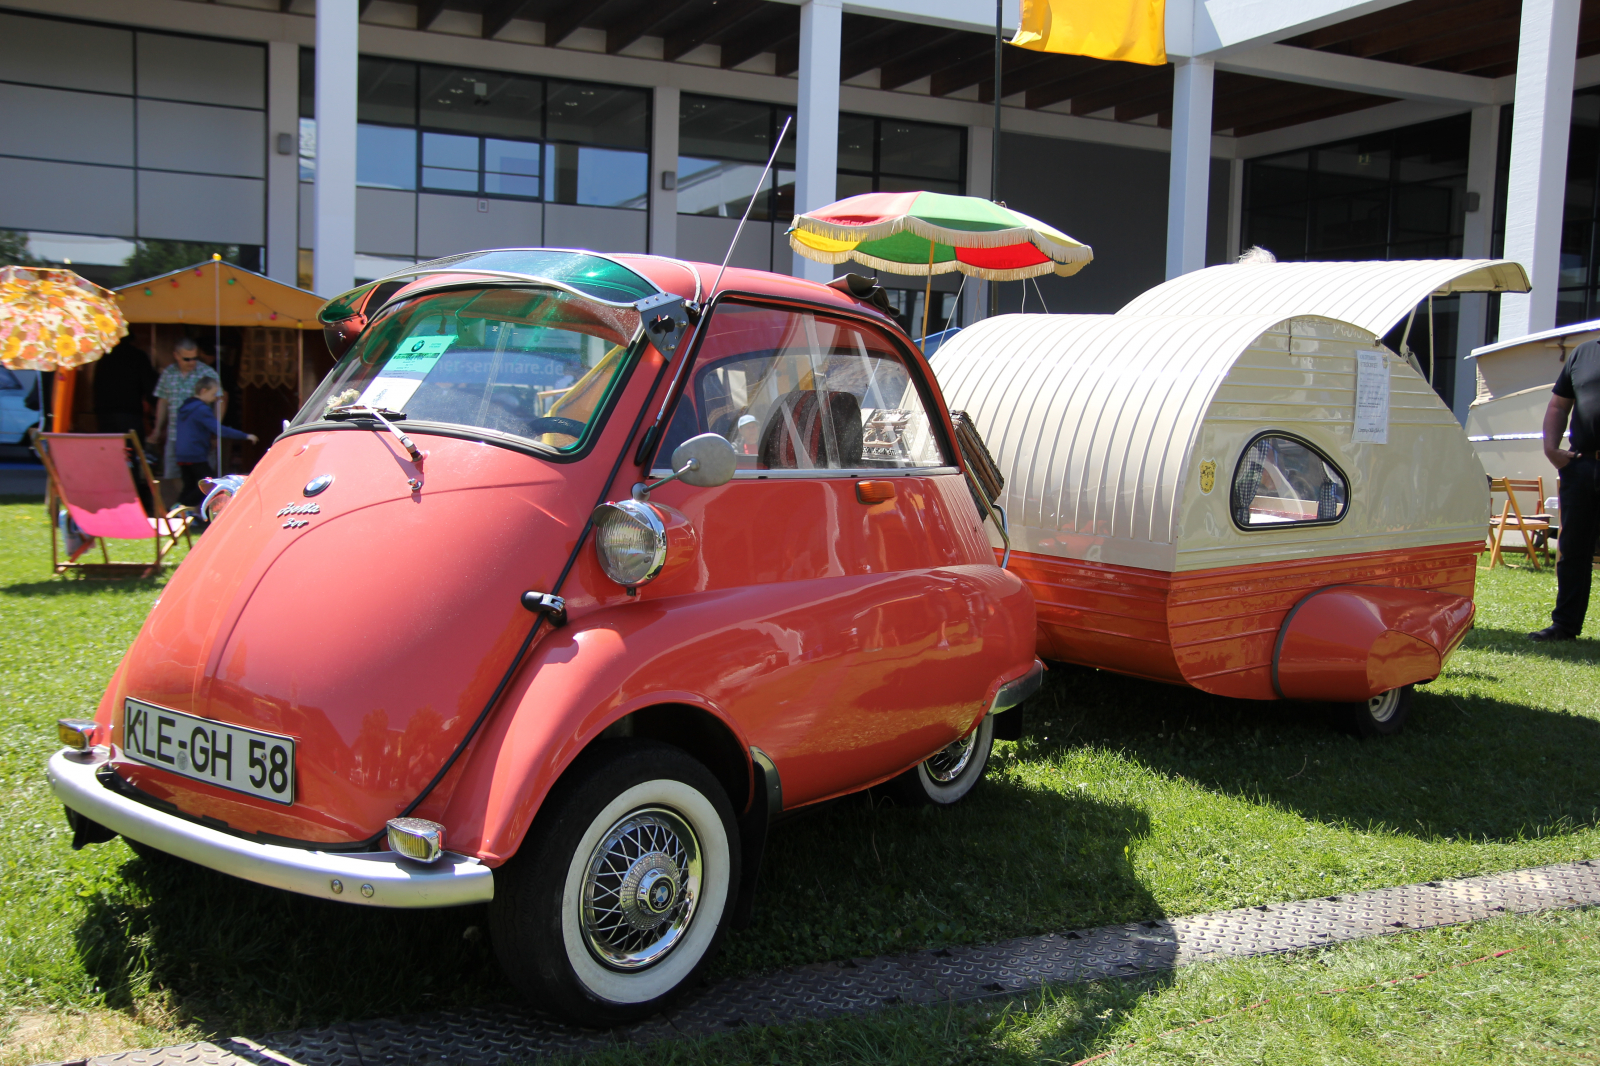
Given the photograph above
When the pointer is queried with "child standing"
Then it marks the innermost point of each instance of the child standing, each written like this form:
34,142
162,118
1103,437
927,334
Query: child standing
197,432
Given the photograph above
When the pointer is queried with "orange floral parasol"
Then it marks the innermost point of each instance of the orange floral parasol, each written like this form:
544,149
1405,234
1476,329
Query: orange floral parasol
55,320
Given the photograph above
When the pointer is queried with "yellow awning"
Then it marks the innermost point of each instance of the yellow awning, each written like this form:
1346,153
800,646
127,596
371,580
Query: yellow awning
202,293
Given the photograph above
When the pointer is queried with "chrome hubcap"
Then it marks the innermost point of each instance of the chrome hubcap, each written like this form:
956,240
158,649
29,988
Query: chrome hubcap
946,765
1383,706
640,889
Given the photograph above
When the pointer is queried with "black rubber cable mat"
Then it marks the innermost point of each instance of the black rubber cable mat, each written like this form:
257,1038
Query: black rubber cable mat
493,1035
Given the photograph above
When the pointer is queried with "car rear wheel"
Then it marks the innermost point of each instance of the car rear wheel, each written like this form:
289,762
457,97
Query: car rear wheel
619,894
950,773
1383,715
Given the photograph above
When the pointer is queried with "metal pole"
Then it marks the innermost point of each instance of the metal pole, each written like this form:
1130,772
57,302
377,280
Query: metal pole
994,151
216,342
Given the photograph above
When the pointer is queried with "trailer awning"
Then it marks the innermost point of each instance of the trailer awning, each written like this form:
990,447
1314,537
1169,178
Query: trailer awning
1372,295
218,293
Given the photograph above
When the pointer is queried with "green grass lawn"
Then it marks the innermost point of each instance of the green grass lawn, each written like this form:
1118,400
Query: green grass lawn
1126,800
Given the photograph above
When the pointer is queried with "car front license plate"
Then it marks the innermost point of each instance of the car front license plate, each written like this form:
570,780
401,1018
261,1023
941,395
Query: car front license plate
245,760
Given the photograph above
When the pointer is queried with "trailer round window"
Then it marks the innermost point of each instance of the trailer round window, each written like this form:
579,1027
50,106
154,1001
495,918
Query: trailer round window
1282,480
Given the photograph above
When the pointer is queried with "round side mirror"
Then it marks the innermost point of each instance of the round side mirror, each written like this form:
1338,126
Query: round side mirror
712,458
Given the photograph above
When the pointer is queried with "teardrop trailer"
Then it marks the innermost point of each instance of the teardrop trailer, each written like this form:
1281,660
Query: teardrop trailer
1231,484
569,577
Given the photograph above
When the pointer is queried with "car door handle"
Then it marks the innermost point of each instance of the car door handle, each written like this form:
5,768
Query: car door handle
871,492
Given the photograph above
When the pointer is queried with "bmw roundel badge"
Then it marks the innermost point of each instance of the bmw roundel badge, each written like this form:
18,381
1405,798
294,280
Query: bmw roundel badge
317,484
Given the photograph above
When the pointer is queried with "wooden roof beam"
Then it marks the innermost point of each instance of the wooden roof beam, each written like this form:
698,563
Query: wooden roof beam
1329,110
641,20
701,31
868,50
428,12
1087,103
952,51
765,37
1031,69
1093,80
498,13
1341,32
1425,27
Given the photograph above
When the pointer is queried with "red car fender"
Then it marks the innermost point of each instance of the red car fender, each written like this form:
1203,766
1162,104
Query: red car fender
1351,642
578,681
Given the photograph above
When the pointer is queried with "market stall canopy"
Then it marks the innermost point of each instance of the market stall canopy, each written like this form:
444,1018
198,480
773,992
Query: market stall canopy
1372,295
54,320
194,293
926,233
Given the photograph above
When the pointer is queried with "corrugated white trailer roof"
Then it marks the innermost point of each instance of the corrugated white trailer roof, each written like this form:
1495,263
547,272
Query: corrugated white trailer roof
1372,295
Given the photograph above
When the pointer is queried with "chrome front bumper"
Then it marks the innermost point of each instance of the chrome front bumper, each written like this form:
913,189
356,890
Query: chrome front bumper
372,878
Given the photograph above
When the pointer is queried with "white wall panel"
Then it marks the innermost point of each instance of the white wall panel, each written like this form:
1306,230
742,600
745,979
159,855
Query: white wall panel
66,54
55,124
209,140
66,197
386,222
199,207
704,239
210,72
600,229
447,224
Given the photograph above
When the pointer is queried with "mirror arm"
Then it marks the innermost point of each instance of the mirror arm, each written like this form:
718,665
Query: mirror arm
641,491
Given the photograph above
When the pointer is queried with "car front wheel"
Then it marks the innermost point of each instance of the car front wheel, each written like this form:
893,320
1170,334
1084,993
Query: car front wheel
950,773
1383,715
620,892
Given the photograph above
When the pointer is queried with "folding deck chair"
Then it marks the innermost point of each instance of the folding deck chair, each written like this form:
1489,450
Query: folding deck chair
91,476
1533,528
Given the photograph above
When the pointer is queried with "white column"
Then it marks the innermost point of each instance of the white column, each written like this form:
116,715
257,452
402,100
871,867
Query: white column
664,163
1189,180
817,116
283,169
980,148
1546,55
334,261
1476,235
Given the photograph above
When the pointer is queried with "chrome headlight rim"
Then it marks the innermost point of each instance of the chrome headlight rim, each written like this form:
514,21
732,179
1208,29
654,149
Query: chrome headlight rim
650,519
218,489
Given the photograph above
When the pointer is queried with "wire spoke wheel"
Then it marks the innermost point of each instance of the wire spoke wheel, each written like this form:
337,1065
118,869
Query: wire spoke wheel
641,889
945,765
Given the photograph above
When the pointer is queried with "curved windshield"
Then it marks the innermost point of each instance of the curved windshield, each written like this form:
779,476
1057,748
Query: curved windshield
529,362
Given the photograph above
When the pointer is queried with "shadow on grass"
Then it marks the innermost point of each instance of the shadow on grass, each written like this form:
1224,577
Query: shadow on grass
1464,768
79,586
1516,642
856,879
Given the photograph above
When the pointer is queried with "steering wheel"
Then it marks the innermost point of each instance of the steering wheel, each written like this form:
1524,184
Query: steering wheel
556,424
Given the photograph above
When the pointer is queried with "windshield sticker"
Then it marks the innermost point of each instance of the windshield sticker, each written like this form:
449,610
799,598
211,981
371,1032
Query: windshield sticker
405,371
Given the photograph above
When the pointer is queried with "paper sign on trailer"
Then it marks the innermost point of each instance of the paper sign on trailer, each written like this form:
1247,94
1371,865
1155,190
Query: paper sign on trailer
1372,399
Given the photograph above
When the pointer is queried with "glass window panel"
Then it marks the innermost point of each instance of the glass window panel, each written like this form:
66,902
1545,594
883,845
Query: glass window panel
1575,243
611,178
1572,305
852,184
386,91
894,183
1282,234
1426,211
920,150
308,83
599,114
386,157
480,101
711,187
792,390
1433,150
511,168
1281,180
450,180
1351,167
308,149
712,128
450,150
1281,481
1347,221
783,196
856,133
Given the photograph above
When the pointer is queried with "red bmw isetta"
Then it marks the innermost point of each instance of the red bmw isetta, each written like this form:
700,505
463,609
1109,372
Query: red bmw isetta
570,576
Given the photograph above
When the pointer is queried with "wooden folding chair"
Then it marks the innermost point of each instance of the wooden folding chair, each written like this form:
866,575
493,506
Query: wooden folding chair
1534,528
90,475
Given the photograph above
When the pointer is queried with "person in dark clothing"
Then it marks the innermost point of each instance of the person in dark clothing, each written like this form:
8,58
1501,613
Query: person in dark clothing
197,429
122,379
1576,400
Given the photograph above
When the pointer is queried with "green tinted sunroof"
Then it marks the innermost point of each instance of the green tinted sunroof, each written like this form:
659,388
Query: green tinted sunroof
589,274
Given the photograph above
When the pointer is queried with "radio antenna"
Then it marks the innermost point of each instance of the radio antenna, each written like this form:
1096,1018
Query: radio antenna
773,158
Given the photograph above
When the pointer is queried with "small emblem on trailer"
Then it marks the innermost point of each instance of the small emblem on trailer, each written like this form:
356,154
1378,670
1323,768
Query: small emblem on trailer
317,484
1208,476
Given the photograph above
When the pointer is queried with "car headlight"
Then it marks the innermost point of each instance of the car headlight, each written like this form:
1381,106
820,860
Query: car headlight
631,540
219,490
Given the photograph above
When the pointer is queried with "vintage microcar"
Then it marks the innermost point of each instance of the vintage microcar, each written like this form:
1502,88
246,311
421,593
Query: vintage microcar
1189,497
756,575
